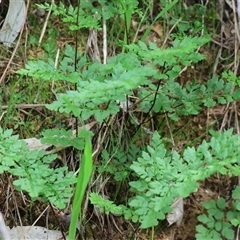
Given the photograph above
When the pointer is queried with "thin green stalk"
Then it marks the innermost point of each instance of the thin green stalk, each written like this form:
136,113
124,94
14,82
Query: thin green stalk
153,233
128,11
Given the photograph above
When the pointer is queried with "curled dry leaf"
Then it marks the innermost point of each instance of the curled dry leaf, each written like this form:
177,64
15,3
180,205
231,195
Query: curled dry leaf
13,22
177,214
157,28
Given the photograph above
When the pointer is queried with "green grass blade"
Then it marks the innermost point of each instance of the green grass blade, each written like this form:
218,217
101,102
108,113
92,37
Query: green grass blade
167,8
82,182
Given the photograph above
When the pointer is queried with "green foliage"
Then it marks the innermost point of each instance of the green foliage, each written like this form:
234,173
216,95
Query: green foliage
159,176
109,9
69,16
231,77
218,222
97,85
162,176
104,205
64,138
90,14
32,171
181,52
108,84
118,164
173,98
46,70
186,20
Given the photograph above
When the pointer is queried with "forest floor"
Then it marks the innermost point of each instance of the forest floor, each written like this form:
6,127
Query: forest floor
29,122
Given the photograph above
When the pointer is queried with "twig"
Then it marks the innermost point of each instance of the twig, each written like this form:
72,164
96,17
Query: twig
237,237
139,26
221,43
104,42
153,104
169,32
236,66
24,106
15,201
93,42
115,224
40,216
45,24
54,213
170,131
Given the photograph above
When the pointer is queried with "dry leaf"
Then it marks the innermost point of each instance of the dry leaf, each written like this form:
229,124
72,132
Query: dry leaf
177,214
13,22
34,233
157,28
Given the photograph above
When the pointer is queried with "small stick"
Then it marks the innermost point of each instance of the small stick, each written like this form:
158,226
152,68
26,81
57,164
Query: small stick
22,106
45,24
104,42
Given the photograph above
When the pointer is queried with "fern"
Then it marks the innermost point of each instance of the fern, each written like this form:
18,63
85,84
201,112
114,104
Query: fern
64,138
32,171
68,15
104,205
214,224
162,177
108,84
